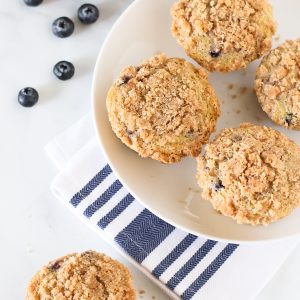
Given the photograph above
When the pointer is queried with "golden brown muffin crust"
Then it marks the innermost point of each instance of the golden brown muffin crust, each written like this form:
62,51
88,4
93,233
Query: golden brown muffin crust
164,109
277,84
251,174
223,35
86,276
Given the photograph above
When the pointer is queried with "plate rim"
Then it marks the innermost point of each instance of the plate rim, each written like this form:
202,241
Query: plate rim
123,180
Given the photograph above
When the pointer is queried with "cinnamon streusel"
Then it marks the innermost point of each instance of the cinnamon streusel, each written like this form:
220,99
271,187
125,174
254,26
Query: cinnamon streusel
164,109
223,35
251,174
85,276
277,84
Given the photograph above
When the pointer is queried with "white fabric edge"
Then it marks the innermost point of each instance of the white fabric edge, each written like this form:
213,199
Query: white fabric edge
58,149
56,154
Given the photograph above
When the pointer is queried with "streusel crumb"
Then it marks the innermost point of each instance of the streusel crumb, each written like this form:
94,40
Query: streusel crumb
223,35
251,174
277,84
164,109
86,276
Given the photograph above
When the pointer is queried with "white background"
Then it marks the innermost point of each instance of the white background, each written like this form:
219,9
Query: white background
34,227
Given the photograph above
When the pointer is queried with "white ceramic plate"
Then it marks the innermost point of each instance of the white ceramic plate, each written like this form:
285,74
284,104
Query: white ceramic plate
171,191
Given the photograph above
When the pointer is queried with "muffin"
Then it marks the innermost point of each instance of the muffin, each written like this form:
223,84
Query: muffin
86,276
164,109
277,84
251,174
223,35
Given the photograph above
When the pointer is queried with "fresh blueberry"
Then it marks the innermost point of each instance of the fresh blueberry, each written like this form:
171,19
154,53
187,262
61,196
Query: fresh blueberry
215,53
28,97
33,2
217,186
63,27
64,70
88,13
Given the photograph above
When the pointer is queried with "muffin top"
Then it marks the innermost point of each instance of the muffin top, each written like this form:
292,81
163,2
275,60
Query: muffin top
251,174
164,109
86,276
277,84
223,35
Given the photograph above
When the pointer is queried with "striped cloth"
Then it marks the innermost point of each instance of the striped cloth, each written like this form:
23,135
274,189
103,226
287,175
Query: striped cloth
185,266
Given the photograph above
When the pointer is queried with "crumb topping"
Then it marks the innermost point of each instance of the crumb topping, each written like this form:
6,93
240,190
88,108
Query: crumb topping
86,276
251,174
277,84
164,109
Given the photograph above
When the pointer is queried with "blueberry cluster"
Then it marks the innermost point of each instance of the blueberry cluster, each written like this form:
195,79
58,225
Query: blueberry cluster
62,27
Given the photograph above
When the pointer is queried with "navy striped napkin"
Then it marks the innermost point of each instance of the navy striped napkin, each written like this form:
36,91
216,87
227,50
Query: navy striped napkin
185,266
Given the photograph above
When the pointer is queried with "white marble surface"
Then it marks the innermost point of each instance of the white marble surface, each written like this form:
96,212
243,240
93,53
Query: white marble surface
34,227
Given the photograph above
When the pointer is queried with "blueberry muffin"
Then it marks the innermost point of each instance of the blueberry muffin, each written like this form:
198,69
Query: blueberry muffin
277,84
251,174
164,109
86,276
223,35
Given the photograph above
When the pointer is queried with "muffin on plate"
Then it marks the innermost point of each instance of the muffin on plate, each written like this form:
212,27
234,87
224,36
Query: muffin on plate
223,35
251,174
85,276
277,84
164,109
